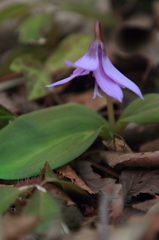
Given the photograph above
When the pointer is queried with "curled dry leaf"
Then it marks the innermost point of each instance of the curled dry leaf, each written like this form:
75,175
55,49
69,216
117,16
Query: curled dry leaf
68,172
66,186
139,181
117,145
95,182
144,159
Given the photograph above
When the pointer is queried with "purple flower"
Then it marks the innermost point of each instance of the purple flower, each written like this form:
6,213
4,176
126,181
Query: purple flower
107,77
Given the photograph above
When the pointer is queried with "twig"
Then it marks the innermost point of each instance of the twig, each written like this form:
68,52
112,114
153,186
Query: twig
10,76
104,169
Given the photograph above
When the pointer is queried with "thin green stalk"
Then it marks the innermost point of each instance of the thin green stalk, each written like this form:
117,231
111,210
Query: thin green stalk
110,110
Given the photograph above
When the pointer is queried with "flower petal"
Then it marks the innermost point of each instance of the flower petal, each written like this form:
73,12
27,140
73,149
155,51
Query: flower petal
68,63
107,85
77,72
118,77
96,92
89,61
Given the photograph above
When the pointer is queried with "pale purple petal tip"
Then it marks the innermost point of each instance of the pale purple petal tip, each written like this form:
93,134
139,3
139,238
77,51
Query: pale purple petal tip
68,63
62,81
118,77
77,72
96,92
107,85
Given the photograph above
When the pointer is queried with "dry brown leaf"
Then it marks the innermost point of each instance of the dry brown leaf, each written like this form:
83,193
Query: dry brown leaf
117,204
137,134
139,181
29,181
68,172
117,145
152,145
146,205
154,209
16,227
56,192
116,209
144,159
86,99
94,181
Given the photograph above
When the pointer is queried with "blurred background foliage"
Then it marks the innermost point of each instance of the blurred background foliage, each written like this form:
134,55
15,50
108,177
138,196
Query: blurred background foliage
37,36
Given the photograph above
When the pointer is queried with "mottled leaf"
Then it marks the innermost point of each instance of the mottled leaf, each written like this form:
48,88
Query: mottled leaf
38,51
72,47
34,27
37,76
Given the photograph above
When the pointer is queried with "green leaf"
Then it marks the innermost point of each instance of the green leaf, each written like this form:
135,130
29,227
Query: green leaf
140,111
14,11
5,116
67,187
71,48
8,196
45,207
34,27
38,51
56,135
36,74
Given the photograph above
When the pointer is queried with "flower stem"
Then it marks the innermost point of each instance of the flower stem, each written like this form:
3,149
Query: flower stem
98,31
110,110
